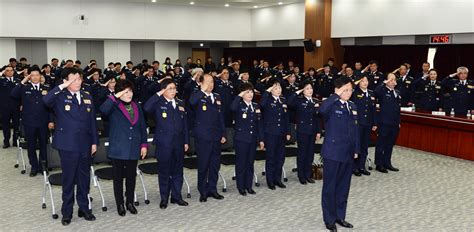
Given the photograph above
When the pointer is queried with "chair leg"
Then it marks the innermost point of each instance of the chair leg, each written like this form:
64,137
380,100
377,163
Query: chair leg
188,195
97,185
256,180
140,174
225,183
285,179
46,184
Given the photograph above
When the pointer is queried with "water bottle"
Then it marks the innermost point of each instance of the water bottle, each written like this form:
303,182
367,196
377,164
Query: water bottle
452,112
413,109
468,114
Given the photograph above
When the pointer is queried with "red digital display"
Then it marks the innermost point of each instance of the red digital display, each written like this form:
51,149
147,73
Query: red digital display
440,39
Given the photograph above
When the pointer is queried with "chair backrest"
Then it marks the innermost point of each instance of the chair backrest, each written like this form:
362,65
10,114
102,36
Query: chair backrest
101,154
54,160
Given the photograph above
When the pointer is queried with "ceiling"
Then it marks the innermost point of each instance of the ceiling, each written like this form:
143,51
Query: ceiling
246,4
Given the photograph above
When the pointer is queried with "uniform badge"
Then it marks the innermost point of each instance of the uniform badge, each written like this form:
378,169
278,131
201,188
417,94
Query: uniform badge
67,107
284,106
244,115
455,89
257,111
69,97
438,87
373,98
316,105
204,107
164,115
408,82
88,109
44,92
87,101
354,112
181,108
218,103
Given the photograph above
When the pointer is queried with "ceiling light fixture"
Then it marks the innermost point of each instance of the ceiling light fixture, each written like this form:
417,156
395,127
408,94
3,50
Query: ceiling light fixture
255,6
226,5
280,3
192,3
153,0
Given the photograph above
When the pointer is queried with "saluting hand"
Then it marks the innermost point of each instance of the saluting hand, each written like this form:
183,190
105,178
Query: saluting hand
299,91
270,89
68,82
26,79
143,152
161,92
121,93
204,86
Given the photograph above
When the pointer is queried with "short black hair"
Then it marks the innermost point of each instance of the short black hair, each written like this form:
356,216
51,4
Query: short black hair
118,63
67,61
65,73
129,62
341,81
166,82
110,63
45,65
326,65
144,61
156,62
78,62
273,81
12,60
331,59
305,83
374,62
54,59
404,66
123,84
34,68
246,86
23,59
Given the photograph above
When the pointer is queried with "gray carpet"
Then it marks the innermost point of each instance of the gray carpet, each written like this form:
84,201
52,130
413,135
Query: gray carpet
430,193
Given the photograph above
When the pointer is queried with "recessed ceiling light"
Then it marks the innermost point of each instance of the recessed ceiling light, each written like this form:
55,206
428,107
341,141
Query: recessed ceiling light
201,44
192,3
280,3
226,5
153,0
255,6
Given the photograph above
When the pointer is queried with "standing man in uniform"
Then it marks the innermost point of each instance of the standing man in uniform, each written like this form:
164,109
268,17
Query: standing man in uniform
10,107
461,90
36,117
388,123
340,147
171,138
76,140
209,134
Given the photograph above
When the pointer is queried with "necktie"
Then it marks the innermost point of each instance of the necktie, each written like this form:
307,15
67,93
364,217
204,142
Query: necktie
432,83
174,104
75,99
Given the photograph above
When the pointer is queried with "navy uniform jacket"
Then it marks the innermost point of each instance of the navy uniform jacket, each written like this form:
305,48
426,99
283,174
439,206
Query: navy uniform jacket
375,79
389,101
275,115
126,136
430,95
208,117
248,123
7,102
288,89
365,106
227,93
76,129
406,89
142,83
171,123
307,117
34,111
325,85
341,138
462,96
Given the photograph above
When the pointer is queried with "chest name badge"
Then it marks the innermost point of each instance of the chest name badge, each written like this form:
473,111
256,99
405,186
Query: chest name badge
204,107
44,92
87,101
67,107
88,109
181,108
244,115
164,115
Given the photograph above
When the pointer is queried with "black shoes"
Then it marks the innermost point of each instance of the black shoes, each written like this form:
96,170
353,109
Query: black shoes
280,185
356,173
163,204
242,192
202,198
250,191
88,216
381,169
180,202
131,208
33,173
5,146
65,221
331,227
393,169
364,172
216,196
272,187
303,182
344,223
310,180
121,210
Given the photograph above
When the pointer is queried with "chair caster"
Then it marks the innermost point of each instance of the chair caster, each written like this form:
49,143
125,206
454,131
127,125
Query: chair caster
147,201
16,166
233,178
224,190
23,172
294,169
257,184
189,195
104,209
55,216
43,206
263,173
91,199
137,203
285,179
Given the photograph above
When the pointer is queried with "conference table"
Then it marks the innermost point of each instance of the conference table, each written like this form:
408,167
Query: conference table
444,135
